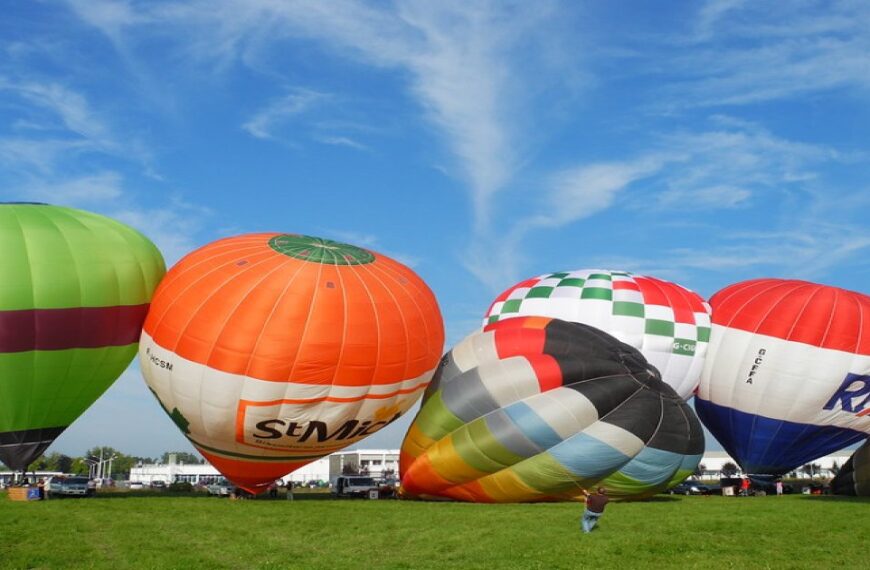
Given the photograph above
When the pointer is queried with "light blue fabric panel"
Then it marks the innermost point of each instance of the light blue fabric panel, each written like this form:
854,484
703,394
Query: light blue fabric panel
589,457
653,466
532,425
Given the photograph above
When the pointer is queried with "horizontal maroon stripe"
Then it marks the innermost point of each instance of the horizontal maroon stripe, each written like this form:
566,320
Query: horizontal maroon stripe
81,327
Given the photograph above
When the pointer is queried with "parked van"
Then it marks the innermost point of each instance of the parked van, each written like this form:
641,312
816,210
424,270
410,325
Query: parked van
353,486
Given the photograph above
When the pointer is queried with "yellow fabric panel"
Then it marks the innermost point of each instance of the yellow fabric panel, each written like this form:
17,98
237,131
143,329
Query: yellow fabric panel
416,442
506,487
449,465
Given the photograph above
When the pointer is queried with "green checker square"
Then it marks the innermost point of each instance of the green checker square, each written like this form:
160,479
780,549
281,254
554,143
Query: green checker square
539,293
659,328
602,276
511,306
572,282
492,319
684,346
597,293
628,309
703,334
557,275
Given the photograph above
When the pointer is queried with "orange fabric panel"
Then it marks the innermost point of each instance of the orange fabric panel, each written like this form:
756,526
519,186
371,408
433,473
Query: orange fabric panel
426,475
241,307
179,295
252,476
471,492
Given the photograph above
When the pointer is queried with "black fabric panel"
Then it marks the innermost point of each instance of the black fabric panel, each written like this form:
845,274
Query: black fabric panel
679,431
590,352
640,414
606,392
844,482
18,449
626,390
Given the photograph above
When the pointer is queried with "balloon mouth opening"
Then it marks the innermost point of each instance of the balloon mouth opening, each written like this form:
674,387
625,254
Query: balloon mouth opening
253,488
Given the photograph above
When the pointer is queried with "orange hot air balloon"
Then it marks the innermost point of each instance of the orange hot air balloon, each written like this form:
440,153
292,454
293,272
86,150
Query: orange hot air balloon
270,351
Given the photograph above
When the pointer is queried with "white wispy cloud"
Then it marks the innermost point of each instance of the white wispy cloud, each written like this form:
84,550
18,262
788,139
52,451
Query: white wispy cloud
41,158
472,67
112,17
740,55
174,227
264,124
586,190
736,164
81,191
40,155
340,141
725,167
69,106
569,196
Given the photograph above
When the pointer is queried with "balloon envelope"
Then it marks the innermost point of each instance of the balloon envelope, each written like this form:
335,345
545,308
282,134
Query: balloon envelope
537,409
272,350
854,476
74,291
669,324
787,377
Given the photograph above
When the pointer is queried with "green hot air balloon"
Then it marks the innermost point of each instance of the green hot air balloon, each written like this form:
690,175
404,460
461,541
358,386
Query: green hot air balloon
74,290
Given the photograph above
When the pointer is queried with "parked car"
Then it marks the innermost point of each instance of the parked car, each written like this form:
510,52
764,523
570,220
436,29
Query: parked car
222,488
690,488
354,486
72,487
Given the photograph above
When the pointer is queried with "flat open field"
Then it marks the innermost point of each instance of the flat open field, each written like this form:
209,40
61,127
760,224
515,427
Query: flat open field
314,531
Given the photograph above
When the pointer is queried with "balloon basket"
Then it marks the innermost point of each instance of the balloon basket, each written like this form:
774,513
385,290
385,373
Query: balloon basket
23,494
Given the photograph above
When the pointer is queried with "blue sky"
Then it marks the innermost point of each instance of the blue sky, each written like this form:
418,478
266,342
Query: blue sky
478,142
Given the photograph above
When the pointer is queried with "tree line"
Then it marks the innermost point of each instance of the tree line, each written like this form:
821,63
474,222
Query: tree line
120,464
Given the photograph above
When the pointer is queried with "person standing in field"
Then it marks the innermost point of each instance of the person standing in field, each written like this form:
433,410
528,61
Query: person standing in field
778,487
595,504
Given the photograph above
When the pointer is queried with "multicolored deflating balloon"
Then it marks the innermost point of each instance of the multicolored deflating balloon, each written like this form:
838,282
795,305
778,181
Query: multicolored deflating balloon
537,409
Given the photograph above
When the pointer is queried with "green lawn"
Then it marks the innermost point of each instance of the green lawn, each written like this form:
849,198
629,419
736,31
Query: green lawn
162,531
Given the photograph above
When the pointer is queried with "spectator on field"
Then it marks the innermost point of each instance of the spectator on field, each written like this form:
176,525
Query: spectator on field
744,487
778,487
595,504
41,486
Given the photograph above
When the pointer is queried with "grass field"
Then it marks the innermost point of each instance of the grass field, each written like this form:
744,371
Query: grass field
195,531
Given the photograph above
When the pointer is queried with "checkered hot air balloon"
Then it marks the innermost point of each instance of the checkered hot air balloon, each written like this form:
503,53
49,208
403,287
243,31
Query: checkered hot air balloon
272,350
854,476
537,409
669,324
787,378
74,291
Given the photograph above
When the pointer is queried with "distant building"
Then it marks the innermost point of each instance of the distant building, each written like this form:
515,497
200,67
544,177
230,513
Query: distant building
714,461
378,463
7,477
